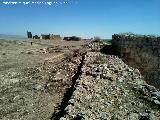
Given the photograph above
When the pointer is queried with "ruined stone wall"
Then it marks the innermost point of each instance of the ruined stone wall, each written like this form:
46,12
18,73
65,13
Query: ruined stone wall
142,52
55,37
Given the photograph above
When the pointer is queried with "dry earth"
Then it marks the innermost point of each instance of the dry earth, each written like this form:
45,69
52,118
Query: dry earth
34,78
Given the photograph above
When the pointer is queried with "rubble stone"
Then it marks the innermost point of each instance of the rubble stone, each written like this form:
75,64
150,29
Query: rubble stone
105,94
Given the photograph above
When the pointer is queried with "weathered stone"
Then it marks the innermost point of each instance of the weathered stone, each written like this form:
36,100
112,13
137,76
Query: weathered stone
157,94
157,102
103,99
115,117
62,118
141,52
30,52
116,71
113,77
133,116
144,118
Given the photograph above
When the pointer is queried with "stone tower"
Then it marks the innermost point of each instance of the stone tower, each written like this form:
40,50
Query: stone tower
29,34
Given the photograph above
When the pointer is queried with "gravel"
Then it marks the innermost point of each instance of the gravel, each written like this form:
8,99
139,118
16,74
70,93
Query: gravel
112,91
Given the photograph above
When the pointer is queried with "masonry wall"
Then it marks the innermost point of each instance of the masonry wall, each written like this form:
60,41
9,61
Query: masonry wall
142,52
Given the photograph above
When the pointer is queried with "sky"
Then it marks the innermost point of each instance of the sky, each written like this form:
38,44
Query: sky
84,18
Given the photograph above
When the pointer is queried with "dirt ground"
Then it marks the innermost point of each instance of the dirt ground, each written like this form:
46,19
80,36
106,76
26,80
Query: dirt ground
33,78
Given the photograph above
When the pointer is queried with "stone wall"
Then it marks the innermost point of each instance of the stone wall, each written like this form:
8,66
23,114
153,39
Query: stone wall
142,52
55,37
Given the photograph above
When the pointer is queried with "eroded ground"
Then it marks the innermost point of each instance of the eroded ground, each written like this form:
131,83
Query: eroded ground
34,78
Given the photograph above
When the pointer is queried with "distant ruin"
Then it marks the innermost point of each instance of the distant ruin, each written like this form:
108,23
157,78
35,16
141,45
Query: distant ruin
73,38
29,34
55,37
142,52
36,37
52,37
44,36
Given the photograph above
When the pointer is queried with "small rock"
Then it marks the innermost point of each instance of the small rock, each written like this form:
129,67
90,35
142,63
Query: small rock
144,118
88,73
62,118
120,79
124,74
157,102
16,97
30,52
157,94
153,116
38,87
94,74
113,77
97,95
116,71
71,101
115,117
68,109
137,71
103,116
78,117
103,76
133,116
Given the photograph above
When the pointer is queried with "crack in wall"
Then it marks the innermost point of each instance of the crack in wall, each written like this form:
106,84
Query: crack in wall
69,92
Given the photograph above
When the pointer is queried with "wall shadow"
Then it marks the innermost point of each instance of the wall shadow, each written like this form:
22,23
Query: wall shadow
110,50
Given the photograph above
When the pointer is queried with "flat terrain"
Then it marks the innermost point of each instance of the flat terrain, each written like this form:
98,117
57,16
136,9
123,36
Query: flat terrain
33,78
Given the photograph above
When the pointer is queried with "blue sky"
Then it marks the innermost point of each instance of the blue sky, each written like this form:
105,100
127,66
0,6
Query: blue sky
85,18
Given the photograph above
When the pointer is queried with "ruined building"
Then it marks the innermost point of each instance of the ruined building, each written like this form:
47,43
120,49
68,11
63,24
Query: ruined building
50,37
55,37
73,38
29,34
45,36
36,37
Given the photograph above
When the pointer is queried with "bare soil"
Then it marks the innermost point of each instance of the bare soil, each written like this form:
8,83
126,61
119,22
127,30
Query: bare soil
34,78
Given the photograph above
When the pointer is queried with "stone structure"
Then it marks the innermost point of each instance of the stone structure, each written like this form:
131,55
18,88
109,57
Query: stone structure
36,37
107,89
55,37
45,36
51,37
29,34
142,52
73,38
